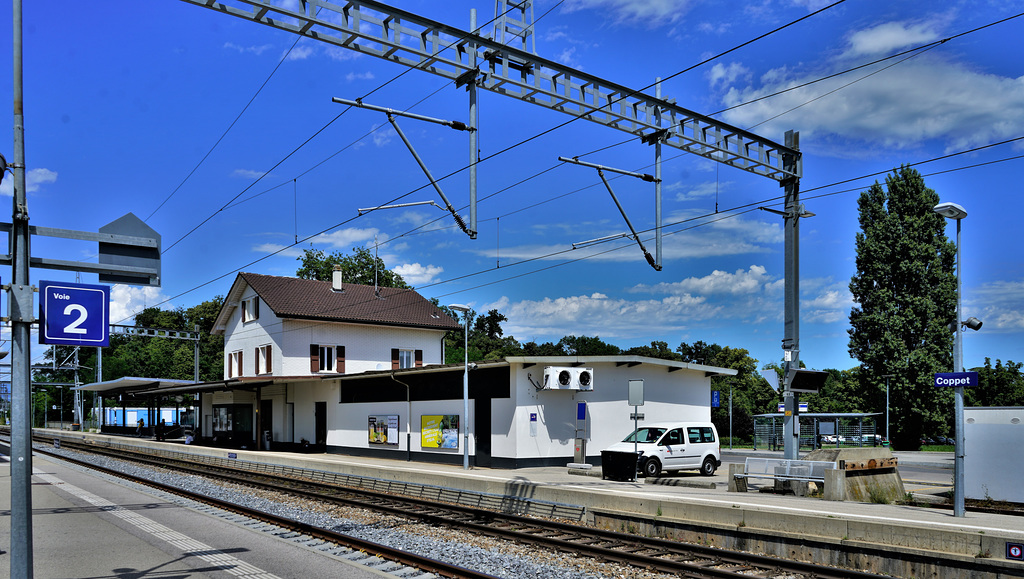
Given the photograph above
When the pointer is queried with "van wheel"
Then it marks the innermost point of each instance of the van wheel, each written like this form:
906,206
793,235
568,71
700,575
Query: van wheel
652,467
708,468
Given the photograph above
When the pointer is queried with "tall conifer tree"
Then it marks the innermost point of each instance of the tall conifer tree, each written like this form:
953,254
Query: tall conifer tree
905,291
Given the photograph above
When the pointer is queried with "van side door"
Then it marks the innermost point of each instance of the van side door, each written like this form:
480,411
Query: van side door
671,449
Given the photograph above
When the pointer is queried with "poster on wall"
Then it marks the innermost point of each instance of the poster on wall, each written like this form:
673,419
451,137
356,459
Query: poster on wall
439,431
384,430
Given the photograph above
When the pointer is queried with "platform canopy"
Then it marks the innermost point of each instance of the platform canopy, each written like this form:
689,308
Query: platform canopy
131,384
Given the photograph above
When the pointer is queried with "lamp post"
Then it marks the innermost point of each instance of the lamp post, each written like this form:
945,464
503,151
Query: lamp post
465,385
887,376
954,211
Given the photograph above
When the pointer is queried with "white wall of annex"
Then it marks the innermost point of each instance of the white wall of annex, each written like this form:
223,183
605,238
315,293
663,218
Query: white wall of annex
247,336
349,426
366,347
992,436
679,396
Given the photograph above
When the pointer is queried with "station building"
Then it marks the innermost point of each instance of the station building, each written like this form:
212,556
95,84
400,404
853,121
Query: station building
342,368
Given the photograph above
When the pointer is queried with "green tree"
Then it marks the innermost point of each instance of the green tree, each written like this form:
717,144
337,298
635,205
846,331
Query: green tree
587,346
905,291
999,385
657,349
359,268
750,392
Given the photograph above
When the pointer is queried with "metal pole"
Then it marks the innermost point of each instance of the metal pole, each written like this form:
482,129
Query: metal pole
657,194
20,302
730,416
465,398
474,121
958,391
791,335
196,379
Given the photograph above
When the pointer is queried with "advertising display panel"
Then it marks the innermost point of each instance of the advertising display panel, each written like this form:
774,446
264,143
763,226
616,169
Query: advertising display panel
383,430
439,431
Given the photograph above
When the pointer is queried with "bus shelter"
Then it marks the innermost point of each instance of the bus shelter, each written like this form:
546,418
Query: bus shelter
820,430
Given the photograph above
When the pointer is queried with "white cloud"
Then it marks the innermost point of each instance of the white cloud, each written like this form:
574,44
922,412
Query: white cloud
359,76
752,280
892,37
567,56
647,12
727,74
257,50
382,135
920,99
346,239
293,251
685,192
1003,305
126,301
300,52
415,274
33,179
247,173
597,314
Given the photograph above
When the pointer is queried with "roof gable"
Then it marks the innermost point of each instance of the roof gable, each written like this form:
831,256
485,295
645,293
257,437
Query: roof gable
296,298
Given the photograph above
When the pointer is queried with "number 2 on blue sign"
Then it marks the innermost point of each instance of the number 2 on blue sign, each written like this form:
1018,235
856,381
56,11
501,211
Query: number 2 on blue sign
74,314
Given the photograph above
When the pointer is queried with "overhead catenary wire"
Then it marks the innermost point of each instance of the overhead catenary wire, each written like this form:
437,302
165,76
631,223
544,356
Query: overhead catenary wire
339,224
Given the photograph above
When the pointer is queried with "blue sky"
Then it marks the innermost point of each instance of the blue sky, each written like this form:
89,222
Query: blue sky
123,104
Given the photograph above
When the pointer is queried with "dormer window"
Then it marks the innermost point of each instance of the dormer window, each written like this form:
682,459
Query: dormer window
251,309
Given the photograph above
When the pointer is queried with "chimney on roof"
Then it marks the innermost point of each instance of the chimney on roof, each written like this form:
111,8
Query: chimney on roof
336,279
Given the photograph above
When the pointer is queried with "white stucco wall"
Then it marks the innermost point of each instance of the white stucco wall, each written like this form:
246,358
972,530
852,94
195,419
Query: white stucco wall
366,347
247,336
349,426
683,395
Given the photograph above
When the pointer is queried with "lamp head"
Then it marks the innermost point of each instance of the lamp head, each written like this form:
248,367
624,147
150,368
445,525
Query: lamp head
459,307
973,323
950,210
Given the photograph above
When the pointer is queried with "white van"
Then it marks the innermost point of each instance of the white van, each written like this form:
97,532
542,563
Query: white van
674,446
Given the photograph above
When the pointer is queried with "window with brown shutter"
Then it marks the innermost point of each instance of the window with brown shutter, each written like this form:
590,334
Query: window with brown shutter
341,360
270,358
314,358
228,361
419,358
394,359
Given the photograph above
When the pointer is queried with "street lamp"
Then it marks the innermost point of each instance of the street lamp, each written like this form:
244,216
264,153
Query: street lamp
954,211
465,385
887,376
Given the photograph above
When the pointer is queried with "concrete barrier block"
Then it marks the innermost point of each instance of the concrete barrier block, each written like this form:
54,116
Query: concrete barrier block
736,485
835,484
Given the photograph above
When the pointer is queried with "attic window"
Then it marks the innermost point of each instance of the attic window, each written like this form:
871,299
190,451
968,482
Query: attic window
251,309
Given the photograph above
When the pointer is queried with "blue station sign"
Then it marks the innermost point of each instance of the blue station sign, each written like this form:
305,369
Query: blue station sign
74,314
948,379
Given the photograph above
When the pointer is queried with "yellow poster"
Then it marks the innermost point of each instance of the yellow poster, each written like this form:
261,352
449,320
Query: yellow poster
439,431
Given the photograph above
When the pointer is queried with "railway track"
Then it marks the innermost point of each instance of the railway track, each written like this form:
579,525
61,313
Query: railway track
650,554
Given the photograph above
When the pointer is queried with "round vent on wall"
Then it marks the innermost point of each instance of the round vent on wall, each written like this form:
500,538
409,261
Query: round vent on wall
564,378
585,378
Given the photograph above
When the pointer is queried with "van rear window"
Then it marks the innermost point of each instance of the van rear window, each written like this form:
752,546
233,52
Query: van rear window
700,434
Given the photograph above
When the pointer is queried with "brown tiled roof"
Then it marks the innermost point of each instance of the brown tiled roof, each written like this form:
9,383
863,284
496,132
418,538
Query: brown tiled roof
308,299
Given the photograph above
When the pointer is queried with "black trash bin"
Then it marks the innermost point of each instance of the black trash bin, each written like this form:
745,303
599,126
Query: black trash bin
617,465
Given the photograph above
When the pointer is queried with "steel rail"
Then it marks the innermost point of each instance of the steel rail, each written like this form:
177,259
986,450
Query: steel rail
655,554
427,564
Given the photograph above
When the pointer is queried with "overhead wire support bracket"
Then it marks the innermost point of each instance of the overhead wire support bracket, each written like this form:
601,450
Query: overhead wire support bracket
376,29
643,176
398,206
391,113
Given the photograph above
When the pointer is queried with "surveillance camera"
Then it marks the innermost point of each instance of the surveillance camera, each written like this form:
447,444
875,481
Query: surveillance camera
472,365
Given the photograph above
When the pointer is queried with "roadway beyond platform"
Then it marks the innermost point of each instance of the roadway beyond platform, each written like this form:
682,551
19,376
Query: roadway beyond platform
901,540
